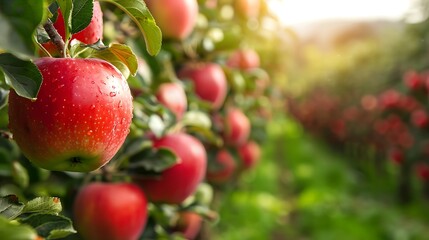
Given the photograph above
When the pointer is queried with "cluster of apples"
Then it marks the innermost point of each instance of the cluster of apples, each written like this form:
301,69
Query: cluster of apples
82,117
394,123
405,123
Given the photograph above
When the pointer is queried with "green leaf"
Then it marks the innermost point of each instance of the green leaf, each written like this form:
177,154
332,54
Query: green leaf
133,146
20,174
21,75
153,160
10,207
47,205
197,119
66,8
17,25
156,125
50,226
81,15
121,56
15,231
140,14
42,36
206,134
3,96
205,212
53,10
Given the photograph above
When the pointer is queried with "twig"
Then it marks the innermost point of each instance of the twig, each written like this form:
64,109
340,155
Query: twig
56,39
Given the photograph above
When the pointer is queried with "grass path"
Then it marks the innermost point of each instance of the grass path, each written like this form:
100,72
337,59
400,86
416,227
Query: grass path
302,190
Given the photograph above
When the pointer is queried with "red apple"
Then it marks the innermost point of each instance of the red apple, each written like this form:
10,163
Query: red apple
414,81
81,116
249,153
209,82
420,118
223,170
175,18
113,211
396,155
189,224
408,103
91,34
247,8
243,59
181,180
422,170
173,96
236,127
390,99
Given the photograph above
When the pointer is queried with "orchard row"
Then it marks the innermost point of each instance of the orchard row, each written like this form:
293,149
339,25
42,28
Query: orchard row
392,125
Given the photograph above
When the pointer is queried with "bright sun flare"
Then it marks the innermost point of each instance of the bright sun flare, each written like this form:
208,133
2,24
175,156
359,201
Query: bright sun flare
293,12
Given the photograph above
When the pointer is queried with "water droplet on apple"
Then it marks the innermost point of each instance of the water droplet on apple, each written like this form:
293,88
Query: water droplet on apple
60,86
74,80
89,133
112,94
92,106
54,99
54,80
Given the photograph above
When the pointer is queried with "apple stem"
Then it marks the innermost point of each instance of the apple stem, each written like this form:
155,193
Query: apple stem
106,175
56,39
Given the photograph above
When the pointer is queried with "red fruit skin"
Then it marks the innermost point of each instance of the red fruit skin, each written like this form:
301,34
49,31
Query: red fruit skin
397,156
173,96
236,127
244,59
80,119
91,34
390,99
420,118
175,18
110,211
414,81
249,153
209,82
189,224
422,170
228,166
181,180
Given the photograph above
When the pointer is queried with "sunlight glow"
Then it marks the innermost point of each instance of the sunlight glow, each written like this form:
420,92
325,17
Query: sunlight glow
294,12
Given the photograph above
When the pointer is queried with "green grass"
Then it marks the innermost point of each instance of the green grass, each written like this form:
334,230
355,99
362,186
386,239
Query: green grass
303,190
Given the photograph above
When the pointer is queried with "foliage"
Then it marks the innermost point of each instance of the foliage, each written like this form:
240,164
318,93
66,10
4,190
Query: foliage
133,43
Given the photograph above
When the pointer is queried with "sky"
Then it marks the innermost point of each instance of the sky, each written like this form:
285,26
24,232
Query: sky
295,12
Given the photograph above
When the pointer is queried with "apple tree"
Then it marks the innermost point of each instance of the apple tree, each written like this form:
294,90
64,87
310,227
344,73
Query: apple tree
123,119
